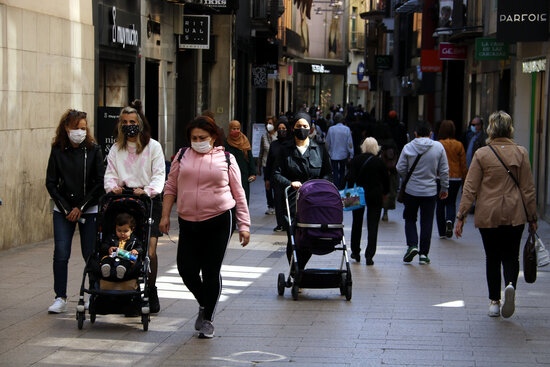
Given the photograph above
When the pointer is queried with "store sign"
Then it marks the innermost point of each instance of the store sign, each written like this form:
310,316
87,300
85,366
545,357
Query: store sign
450,51
360,71
522,21
430,62
196,32
364,85
533,66
107,119
319,69
383,62
222,6
259,77
490,49
125,34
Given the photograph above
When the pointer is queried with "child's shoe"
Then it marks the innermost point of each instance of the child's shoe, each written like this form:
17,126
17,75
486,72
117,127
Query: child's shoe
120,271
105,270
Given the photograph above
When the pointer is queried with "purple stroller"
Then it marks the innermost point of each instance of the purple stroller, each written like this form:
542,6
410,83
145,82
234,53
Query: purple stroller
317,227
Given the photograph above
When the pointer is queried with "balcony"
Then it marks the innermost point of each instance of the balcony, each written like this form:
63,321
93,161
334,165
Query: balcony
357,41
264,17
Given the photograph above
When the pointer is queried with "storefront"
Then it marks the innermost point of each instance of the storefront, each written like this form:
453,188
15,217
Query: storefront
118,37
322,85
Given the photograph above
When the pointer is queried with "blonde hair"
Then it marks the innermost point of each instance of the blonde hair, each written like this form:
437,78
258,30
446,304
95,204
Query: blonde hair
370,145
122,140
500,126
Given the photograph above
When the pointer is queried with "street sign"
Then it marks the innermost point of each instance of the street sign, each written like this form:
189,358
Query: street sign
360,71
490,49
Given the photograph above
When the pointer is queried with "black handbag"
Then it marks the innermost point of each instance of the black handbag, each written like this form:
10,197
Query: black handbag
530,259
404,184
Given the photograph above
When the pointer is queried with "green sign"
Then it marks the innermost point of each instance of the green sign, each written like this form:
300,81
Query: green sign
490,49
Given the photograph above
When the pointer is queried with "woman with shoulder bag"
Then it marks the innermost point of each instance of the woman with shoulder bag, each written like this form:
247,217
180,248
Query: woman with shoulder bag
74,180
500,181
206,181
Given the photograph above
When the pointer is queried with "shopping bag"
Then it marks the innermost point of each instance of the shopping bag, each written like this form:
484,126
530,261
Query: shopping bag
353,198
543,258
530,259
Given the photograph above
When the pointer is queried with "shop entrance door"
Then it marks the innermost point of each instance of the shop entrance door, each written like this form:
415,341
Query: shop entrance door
539,142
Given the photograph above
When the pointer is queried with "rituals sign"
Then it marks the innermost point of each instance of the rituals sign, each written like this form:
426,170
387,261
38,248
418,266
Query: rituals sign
196,32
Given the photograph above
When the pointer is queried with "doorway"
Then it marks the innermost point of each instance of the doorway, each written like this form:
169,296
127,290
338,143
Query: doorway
152,96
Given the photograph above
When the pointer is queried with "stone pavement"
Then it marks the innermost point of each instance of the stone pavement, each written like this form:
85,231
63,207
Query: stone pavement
400,315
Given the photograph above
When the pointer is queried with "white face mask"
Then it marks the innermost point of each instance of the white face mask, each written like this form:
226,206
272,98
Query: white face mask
77,136
201,146
270,127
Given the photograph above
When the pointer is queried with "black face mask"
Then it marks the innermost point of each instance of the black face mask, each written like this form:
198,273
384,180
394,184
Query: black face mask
130,130
281,134
301,134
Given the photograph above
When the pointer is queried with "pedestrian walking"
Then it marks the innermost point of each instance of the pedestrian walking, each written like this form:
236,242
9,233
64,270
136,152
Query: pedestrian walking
456,157
422,159
368,171
501,183
339,145
237,144
389,155
136,162
207,184
300,160
74,179
474,138
398,130
283,134
265,142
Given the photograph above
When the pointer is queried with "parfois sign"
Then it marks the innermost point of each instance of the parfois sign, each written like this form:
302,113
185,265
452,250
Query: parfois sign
522,21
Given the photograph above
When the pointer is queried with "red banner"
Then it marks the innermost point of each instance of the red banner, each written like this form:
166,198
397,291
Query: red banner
430,62
450,51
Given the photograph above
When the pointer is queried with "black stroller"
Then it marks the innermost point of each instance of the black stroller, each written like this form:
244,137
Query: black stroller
318,228
129,297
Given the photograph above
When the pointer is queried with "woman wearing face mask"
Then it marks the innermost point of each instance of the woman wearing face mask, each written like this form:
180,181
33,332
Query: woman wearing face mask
137,162
274,151
237,144
207,184
74,180
300,160
265,142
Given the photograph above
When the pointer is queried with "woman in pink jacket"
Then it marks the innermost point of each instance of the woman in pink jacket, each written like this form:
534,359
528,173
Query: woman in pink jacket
207,184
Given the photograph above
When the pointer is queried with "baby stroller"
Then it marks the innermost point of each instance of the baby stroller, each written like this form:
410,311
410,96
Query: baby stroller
318,228
131,296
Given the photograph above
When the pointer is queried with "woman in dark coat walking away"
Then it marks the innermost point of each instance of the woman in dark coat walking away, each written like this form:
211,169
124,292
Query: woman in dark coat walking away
300,160
368,171
237,144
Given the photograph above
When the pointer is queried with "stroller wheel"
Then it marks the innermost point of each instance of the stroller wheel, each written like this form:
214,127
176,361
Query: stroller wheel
295,291
281,283
145,321
80,317
348,292
343,284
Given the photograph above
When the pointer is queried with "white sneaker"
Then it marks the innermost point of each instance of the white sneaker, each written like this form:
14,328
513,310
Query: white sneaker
494,309
59,306
120,271
509,305
105,270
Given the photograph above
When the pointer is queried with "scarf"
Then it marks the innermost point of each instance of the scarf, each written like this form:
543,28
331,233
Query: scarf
240,141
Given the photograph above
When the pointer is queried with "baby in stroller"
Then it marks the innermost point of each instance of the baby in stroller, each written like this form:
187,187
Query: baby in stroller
116,264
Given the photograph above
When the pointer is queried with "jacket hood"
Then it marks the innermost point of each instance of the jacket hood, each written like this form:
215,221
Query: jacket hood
418,146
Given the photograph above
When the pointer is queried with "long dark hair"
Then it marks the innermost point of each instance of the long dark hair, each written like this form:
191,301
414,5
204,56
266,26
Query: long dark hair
145,129
70,119
446,130
205,123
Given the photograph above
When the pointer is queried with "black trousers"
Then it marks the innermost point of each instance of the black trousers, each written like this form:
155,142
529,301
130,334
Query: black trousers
373,218
501,249
201,248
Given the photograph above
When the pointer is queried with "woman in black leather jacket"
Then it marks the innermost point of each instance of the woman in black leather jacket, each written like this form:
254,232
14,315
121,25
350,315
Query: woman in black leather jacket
300,160
74,180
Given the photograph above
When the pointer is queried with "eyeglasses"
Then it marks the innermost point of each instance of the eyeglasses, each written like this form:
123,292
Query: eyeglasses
75,113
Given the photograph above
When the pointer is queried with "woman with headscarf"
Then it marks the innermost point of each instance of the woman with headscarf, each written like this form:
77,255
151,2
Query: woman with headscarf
237,144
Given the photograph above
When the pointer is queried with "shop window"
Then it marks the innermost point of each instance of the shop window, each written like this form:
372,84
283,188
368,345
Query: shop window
113,86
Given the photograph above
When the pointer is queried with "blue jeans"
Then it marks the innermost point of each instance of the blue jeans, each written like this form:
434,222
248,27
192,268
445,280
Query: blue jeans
427,208
338,172
63,231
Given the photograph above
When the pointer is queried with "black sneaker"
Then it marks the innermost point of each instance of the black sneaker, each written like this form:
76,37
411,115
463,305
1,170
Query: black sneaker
412,251
154,304
369,261
278,229
449,229
356,257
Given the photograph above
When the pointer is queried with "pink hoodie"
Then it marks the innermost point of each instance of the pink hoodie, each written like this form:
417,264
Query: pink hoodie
205,186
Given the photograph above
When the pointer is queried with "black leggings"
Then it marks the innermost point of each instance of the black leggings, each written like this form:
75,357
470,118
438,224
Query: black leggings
201,247
501,247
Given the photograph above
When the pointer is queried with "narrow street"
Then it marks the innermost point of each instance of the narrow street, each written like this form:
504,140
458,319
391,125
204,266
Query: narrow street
400,315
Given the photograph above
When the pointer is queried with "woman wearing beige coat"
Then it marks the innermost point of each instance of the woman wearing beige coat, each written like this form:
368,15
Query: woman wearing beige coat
502,208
